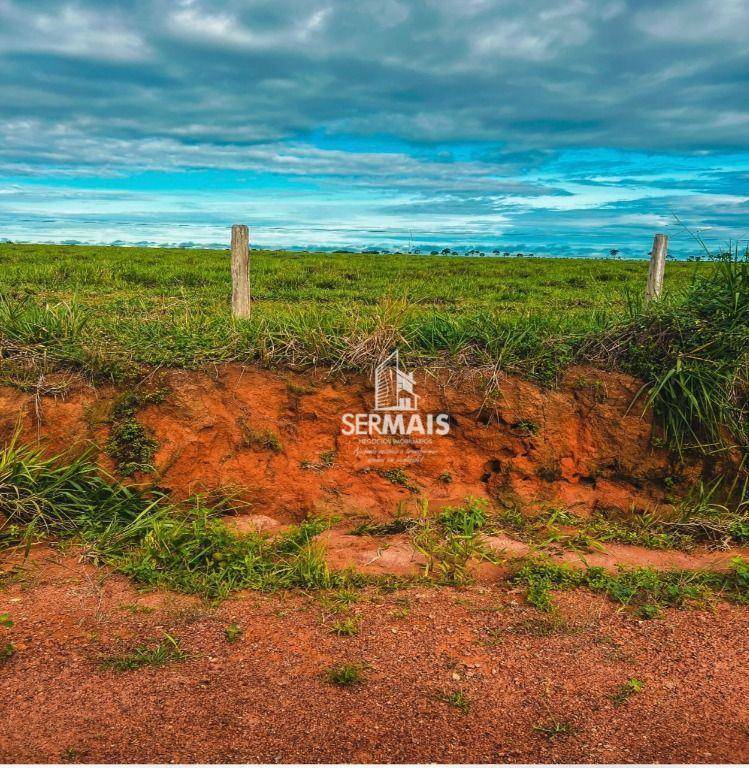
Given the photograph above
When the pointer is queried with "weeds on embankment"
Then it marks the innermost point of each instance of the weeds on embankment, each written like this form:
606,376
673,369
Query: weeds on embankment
129,445
645,590
188,548
452,541
158,543
693,355
695,520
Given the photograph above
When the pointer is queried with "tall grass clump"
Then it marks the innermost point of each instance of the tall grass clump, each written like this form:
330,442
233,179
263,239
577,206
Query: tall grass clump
41,337
64,496
198,554
693,354
452,541
28,323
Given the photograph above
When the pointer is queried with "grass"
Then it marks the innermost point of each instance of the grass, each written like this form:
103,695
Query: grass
345,675
452,541
129,445
339,600
196,553
544,625
107,310
693,355
643,589
399,524
554,729
165,652
467,520
112,312
262,440
625,691
456,699
6,649
398,476
185,547
346,627
695,519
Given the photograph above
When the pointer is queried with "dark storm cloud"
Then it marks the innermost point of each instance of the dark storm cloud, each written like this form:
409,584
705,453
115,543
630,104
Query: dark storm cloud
181,78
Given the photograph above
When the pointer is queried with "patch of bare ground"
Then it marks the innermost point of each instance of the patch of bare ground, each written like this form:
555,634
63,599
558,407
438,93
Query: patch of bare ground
461,675
101,672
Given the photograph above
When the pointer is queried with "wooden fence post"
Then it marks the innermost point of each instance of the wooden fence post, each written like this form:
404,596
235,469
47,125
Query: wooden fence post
657,267
240,270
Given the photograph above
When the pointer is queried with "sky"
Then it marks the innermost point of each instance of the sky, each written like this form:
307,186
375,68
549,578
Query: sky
565,128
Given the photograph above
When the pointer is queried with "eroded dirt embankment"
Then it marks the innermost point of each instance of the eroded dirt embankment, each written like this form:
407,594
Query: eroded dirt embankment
276,440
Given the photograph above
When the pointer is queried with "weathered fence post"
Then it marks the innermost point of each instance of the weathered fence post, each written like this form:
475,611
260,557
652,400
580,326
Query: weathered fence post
657,266
240,270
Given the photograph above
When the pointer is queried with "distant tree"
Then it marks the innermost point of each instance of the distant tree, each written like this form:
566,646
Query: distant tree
614,252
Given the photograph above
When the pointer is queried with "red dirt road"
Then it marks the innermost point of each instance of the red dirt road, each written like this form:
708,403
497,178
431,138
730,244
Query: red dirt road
264,697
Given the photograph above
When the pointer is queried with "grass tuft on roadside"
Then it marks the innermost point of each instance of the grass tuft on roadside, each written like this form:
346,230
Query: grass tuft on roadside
451,541
186,547
165,652
645,590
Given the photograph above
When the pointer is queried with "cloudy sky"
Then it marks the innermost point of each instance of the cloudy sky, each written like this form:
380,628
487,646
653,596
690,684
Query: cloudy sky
536,125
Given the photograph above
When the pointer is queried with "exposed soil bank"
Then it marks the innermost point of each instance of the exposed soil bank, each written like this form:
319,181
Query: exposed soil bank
276,440
264,697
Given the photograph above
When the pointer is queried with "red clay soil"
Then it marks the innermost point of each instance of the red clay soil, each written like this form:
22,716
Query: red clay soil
583,446
264,698
537,689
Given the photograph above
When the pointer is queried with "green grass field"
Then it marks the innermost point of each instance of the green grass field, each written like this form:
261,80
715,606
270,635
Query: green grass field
171,306
153,280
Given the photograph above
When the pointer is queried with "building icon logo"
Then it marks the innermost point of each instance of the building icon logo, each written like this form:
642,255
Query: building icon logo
394,388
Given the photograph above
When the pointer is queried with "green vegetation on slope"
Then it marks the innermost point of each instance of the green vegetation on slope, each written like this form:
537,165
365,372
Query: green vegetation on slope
644,589
694,355
695,520
186,546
